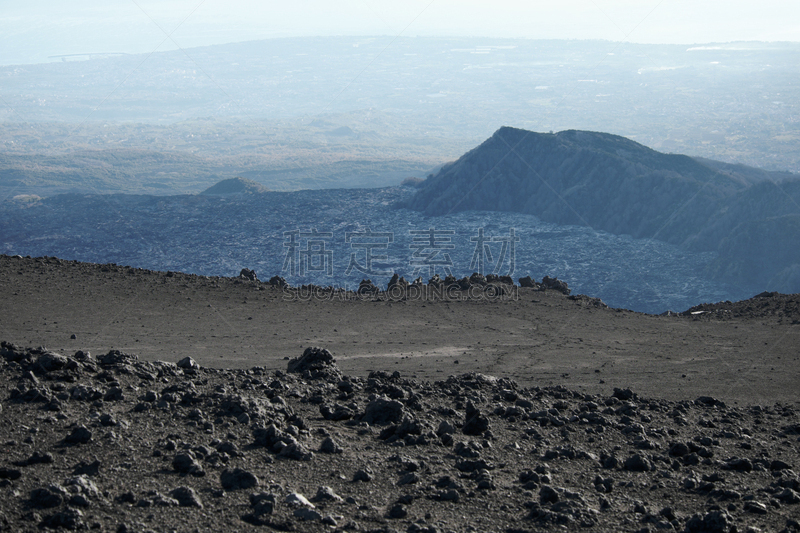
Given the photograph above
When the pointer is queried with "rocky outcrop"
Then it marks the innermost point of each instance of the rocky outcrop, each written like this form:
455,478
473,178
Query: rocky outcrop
248,274
315,363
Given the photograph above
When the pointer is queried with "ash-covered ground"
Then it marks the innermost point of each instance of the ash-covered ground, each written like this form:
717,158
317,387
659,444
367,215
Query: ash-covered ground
538,412
114,443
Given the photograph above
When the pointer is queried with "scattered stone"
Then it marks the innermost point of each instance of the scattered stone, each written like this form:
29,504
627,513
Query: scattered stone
51,361
739,465
708,401
278,281
187,497
367,287
315,363
248,274
397,511
755,507
185,463
282,443
306,514
263,504
45,498
678,449
79,435
295,499
445,428
296,451
85,393
475,424
237,478
450,495
191,424
407,479
777,465
623,394
188,363
71,519
556,285
326,494
114,394
603,485
82,485
382,411
126,497
337,412
638,463
362,475
116,357
330,446
788,496
161,500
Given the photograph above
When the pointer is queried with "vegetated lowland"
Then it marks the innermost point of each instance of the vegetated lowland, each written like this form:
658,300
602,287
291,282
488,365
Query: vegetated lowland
750,217
49,159
168,401
328,112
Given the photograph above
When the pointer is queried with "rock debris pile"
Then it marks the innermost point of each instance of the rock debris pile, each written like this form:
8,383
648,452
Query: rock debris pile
113,443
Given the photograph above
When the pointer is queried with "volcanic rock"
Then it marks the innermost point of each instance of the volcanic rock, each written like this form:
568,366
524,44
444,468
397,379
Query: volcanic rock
383,411
248,274
187,497
315,363
237,478
326,494
475,423
556,285
330,446
80,435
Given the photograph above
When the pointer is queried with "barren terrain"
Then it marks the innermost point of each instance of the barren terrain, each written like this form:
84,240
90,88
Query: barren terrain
745,352
596,419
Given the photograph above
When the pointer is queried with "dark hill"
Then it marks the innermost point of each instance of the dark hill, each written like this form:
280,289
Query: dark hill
601,180
613,184
235,186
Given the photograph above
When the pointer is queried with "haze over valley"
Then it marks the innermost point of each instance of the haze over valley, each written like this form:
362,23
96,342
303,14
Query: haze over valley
355,112
425,266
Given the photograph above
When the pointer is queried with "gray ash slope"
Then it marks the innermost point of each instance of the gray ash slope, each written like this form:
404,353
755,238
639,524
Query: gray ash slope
610,183
113,443
220,235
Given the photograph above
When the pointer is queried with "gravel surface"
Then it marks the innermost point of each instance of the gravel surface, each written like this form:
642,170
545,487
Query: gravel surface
115,441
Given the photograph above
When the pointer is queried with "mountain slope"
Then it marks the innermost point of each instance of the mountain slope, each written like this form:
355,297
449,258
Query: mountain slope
574,177
613,184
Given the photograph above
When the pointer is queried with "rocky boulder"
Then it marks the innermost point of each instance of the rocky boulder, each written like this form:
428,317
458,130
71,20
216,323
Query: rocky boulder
248,274
315,363
556,285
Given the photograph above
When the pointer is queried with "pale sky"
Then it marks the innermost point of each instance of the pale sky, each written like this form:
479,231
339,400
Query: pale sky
33,30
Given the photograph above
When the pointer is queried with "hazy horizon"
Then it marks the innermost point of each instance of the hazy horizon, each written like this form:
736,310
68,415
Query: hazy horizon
42,31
